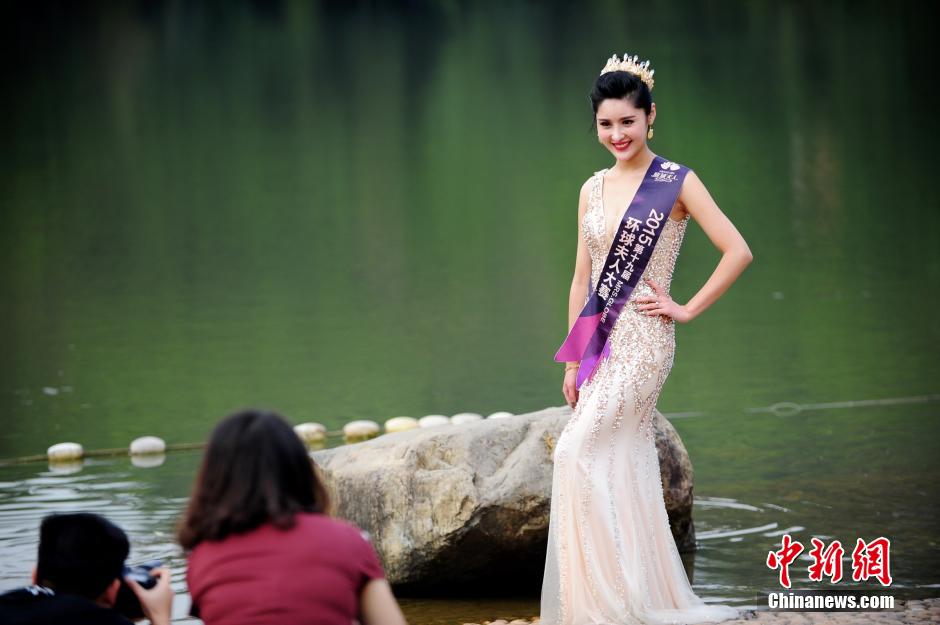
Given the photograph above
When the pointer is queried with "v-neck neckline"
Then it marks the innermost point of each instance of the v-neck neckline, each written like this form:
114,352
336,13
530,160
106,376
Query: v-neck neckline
607,235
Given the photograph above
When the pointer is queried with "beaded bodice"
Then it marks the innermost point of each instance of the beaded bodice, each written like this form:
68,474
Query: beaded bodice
659,269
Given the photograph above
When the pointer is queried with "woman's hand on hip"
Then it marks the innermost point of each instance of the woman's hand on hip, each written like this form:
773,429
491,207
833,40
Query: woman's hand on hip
662,304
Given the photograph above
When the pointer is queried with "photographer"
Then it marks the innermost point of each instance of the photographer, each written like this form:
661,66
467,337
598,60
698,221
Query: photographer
79,575
263,548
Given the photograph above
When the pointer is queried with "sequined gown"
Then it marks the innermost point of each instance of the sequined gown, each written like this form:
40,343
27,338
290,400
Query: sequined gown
611,556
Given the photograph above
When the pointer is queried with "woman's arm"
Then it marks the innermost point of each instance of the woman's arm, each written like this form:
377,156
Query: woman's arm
378,606
582,264
735,255
578,293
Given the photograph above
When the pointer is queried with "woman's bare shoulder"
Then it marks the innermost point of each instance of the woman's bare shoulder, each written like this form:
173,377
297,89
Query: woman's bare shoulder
586,187
585,193
589,183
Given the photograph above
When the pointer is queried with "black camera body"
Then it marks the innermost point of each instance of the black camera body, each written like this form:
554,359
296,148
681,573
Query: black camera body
127,602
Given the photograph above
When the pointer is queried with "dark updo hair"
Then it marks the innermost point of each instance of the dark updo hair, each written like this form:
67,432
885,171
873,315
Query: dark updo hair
620,85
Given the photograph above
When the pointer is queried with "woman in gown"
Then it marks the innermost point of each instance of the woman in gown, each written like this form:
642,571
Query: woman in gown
611,556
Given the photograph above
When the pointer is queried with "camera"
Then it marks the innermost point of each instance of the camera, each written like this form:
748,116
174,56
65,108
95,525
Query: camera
127,602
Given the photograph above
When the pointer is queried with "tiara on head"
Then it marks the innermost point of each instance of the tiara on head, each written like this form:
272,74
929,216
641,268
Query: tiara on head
630,64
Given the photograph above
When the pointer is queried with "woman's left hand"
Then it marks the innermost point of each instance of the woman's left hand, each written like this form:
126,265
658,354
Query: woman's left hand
662,304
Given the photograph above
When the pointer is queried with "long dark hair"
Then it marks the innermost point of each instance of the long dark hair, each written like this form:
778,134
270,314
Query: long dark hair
255,470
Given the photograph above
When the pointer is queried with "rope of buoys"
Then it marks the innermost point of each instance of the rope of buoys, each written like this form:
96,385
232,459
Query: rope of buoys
150,450
315,434
96,453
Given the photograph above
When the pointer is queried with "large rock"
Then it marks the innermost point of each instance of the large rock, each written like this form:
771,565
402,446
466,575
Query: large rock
466,508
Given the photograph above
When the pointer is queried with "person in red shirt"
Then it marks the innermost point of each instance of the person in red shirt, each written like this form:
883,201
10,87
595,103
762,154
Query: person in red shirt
262,548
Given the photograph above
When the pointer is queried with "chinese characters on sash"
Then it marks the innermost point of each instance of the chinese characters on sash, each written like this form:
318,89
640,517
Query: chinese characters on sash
869,560
634,238
629,255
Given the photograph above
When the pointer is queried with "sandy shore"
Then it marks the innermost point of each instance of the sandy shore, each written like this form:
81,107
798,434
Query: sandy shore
919,612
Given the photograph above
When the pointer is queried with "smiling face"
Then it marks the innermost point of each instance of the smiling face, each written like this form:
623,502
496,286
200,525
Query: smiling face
621,127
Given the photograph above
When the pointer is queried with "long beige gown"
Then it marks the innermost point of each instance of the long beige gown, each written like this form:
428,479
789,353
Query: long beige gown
611,556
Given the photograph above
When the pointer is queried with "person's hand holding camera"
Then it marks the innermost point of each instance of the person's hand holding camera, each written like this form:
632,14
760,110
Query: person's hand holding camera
156,602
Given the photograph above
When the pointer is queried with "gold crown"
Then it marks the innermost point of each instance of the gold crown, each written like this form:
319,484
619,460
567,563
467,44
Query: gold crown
630,64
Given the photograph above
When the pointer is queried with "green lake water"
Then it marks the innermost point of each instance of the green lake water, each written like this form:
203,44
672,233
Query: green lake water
365,210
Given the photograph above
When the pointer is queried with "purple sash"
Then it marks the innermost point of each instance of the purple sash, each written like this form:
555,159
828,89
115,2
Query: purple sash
633,245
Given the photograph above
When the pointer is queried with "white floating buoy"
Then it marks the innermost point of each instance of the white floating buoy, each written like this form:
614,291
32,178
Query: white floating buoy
311,432
433,420
147,445
148,461
500,415
360,430
65,451
400,424
466,417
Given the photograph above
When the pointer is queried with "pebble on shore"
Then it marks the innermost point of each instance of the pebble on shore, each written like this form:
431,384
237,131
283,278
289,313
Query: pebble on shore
502,621
911,612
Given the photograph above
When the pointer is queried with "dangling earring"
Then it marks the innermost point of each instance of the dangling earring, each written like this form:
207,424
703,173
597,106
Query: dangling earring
649,133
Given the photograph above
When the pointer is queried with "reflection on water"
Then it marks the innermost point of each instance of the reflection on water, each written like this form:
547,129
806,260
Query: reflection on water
148,461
